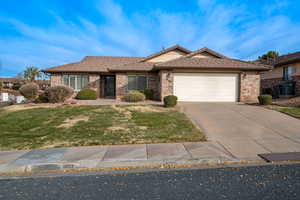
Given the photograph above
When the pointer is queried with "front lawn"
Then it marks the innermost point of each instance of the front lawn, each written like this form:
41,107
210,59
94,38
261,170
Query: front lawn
92,125
293,111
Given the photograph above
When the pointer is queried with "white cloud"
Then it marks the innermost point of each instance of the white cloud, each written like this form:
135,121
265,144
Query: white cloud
230,29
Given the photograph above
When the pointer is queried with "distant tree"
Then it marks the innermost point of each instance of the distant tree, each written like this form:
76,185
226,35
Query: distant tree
270,55
31,73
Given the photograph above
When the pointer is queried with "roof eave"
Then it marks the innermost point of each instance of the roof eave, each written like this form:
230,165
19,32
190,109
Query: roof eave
219,68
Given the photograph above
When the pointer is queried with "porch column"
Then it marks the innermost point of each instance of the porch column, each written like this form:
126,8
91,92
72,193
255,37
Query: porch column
121,85
166,83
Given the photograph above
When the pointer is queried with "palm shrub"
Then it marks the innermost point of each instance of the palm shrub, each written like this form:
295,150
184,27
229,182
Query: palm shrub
87,94
134,96
265,99
30,91
170,101
59,93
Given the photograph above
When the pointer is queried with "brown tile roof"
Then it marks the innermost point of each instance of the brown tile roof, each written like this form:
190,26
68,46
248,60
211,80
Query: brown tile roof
9,80
172,48
138,66
108,63
211,63
287,59
94,64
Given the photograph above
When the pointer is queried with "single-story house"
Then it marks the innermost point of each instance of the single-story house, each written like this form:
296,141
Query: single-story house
8,82
284,78
201,75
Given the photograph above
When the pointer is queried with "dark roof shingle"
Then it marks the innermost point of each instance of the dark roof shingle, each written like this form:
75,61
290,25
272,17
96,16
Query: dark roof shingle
286,59
209,63
94,64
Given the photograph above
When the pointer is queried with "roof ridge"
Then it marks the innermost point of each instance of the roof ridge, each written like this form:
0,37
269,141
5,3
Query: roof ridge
177,46
203,49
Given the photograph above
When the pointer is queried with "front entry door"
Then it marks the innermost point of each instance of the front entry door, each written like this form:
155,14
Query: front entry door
109,86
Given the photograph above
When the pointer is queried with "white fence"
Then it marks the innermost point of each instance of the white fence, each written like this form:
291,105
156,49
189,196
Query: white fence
6,97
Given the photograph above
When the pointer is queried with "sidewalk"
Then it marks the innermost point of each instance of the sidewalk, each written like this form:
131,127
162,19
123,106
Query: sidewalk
115,156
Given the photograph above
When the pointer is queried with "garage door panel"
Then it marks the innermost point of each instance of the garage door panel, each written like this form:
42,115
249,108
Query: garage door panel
214,87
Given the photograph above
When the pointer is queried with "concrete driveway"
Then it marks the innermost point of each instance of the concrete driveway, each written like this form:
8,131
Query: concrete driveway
246,130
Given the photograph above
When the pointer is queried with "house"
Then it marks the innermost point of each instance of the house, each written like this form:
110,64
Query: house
8,82
201,75
284,79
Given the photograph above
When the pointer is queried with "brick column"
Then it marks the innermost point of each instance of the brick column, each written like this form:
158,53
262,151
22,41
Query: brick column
249,86
121,85
56,79
166,83
94,83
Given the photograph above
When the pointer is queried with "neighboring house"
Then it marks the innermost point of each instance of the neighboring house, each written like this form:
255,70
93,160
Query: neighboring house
8,82
284,79
202,75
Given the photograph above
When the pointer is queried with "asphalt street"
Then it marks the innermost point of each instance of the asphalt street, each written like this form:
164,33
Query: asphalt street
252,182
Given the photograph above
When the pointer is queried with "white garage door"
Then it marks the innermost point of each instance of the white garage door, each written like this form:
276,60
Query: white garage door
206,87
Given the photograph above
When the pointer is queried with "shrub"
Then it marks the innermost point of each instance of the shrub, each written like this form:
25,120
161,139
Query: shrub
265,99
58,94
87,94
42,98
149,93
134,96
170,101
1,85
30,91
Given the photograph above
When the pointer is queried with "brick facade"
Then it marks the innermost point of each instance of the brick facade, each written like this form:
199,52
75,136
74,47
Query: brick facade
56,79
166,83
121,85
297,79
94,83
249,86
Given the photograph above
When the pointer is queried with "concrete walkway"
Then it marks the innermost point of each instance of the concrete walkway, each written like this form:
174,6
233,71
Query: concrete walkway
114,156
246,130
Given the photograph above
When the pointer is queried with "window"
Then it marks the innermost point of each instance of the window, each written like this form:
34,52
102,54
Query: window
77,82
137,82
288,73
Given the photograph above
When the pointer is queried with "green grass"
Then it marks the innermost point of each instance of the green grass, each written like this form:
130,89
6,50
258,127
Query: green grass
101,125
293,111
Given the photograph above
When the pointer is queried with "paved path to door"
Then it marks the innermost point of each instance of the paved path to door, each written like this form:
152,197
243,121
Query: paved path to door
246,130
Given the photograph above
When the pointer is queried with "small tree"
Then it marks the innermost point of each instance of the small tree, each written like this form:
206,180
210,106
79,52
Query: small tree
31,73
269,55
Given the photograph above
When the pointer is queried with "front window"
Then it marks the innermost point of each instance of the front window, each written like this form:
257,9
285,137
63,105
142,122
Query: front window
137,82
77,82
288,73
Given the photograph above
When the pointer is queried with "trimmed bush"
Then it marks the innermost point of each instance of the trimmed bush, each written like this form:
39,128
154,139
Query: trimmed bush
42,98
149,93
134,96
265,99
58,94
30,91
170,101
86,94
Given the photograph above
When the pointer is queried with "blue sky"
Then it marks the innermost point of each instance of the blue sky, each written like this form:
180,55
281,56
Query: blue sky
46,33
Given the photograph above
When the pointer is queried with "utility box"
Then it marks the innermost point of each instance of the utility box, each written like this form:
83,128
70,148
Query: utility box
4,97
